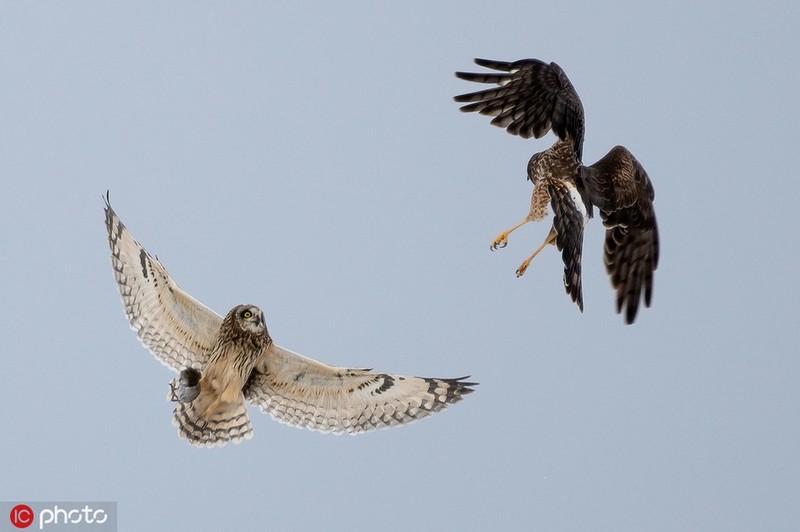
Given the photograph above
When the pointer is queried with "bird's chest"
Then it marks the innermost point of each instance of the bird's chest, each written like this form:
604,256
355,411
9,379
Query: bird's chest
231,365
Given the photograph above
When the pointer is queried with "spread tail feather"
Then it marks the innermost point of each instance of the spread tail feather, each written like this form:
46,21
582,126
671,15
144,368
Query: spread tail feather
204,429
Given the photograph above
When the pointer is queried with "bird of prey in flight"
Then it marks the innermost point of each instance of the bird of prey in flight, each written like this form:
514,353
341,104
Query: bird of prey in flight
533,97
224,364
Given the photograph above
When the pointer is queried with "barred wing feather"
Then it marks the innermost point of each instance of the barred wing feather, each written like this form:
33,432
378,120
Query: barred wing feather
302,392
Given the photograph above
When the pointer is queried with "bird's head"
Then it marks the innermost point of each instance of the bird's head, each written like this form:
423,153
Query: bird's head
558,161
250,319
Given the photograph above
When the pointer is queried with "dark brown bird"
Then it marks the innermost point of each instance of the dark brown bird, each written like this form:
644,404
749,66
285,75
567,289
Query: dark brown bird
532,98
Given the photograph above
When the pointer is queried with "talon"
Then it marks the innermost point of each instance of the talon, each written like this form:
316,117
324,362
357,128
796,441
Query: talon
500,242
522,268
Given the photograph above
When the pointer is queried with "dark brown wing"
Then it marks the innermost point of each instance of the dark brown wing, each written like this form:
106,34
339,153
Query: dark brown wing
618,185
532,98
569,217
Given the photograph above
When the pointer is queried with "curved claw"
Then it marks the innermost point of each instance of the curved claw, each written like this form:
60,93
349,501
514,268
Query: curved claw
500,242
524,266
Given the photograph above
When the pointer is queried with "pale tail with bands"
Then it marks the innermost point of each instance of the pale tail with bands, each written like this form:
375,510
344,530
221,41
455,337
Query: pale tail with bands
210,430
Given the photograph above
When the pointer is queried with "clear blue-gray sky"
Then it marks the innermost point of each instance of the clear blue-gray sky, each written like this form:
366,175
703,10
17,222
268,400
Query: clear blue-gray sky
310,160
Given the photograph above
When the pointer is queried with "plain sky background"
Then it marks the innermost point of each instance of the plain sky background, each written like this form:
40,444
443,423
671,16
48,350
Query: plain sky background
309,159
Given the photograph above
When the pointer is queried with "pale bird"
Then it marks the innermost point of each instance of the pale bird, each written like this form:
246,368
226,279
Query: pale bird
226,363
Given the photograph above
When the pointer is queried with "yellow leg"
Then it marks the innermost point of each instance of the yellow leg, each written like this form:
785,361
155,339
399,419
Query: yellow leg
550,239
501,240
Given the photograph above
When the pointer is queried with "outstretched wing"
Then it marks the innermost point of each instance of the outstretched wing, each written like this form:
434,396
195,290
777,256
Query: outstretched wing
619,186
179,330
532,98
299,391
569,218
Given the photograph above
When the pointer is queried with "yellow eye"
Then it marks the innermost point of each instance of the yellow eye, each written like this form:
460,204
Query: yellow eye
247,314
